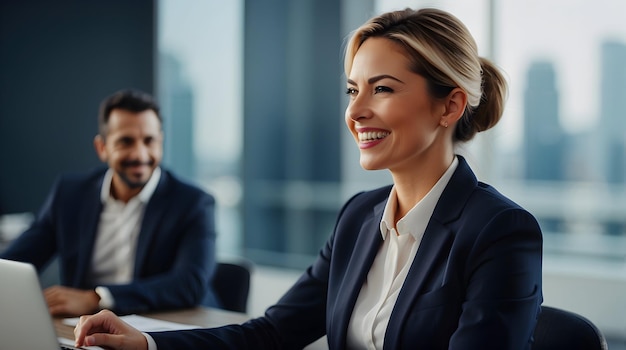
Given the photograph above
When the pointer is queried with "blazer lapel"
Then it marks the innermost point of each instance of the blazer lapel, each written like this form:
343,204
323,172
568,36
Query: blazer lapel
435,246
89,218
155,210
367,245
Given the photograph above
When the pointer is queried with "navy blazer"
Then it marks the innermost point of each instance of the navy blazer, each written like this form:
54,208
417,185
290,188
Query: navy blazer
175,257
475,282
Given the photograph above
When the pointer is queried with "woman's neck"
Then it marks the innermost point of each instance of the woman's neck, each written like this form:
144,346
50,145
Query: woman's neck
414,184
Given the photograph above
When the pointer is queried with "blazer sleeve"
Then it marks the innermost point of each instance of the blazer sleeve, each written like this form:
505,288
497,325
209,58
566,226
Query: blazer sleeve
178,262
296,320
37,245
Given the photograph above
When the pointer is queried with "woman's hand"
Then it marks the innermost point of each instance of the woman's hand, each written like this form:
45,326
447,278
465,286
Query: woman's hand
107,330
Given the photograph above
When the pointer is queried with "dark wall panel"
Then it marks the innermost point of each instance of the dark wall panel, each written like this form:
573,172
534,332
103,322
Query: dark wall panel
58,59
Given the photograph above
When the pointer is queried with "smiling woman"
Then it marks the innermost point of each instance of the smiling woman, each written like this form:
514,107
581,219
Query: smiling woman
438,260
387,98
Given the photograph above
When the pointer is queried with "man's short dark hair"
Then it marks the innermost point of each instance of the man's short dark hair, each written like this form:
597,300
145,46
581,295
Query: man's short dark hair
128,99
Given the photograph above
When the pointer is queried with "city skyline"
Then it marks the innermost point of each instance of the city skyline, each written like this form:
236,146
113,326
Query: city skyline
567,32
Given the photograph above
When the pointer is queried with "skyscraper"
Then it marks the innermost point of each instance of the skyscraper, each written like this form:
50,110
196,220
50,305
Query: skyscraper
543,135
612,127
176,99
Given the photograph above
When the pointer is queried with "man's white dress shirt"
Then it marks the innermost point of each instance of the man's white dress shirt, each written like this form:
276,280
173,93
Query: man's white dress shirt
113,258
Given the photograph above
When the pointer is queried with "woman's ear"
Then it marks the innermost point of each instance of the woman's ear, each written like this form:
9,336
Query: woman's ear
99,145
455,105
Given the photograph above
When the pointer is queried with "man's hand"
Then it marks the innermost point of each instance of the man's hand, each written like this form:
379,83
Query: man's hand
107,330
64,301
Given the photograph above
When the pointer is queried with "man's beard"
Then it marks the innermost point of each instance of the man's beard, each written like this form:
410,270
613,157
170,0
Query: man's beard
127,180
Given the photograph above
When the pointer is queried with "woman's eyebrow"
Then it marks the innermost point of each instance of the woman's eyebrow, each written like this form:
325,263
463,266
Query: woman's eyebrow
374,79
377,78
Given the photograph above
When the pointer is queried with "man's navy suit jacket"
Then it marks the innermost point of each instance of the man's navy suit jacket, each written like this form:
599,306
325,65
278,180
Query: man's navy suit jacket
175,257
475,282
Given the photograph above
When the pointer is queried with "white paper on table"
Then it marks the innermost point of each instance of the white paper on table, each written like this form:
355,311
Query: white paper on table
143,324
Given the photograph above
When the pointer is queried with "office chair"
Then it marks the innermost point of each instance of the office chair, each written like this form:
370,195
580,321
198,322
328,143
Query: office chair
231,284
560,329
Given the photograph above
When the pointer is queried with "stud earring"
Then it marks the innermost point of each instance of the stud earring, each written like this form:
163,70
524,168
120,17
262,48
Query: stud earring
445,123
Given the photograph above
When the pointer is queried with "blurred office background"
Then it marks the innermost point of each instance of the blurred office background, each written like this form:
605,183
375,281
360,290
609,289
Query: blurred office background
252,96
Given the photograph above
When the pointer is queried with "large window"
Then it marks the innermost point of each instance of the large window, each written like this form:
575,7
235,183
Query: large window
200,90
253,88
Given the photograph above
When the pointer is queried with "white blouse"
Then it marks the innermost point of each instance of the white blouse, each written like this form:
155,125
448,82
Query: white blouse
380,290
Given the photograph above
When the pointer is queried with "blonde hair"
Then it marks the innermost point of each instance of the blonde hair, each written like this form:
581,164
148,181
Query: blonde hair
442,50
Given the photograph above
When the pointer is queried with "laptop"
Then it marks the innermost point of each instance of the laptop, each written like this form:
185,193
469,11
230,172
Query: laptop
25,322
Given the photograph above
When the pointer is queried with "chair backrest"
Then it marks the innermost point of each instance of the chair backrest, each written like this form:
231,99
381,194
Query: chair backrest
232,284
560,329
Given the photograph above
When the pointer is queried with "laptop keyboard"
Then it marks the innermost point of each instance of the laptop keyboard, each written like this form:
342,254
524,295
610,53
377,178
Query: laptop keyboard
69,347
66,344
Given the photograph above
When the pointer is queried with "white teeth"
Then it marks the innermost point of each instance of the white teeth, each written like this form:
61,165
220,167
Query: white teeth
372,135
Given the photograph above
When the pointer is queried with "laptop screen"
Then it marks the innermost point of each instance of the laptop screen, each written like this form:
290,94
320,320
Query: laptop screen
25,322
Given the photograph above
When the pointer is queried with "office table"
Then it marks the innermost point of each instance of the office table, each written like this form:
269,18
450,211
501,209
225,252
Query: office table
200,316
